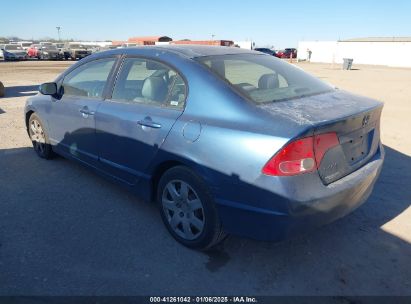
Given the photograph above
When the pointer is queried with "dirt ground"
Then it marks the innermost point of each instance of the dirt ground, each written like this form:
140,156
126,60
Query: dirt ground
66,231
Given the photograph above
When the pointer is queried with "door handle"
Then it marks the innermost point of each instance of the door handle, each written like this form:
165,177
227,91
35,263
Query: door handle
85,112
149,123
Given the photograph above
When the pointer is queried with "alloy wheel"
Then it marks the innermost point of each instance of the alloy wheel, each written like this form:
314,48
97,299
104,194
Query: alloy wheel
37,136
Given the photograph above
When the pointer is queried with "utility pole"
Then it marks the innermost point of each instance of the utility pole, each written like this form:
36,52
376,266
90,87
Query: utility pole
58,31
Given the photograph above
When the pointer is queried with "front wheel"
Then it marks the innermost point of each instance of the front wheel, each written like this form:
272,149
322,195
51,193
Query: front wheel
188,210
39,138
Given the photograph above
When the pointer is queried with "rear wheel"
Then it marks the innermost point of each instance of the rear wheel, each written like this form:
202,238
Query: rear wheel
188,210
1,89
39,138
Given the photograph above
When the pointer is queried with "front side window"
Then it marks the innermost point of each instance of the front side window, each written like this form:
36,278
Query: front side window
150,82
263,78
89,79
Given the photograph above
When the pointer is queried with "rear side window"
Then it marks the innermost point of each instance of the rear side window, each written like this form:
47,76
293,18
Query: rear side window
264,78
89,79
149,82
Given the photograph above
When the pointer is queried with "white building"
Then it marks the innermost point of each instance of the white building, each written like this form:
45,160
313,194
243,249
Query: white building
248,44
394,51
99,43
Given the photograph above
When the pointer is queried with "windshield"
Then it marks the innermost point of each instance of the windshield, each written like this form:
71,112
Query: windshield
12,47
76,46
263,78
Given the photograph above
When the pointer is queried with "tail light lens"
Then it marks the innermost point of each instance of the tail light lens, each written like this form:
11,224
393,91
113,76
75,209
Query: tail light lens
301,156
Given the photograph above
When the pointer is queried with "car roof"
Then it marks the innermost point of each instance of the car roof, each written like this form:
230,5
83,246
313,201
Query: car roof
190,51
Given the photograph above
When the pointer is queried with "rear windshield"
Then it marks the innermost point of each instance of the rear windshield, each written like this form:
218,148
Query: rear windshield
263,78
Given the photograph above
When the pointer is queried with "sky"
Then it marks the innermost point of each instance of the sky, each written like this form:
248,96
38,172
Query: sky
269,23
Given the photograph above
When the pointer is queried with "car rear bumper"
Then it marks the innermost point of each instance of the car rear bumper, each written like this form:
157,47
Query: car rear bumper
335,201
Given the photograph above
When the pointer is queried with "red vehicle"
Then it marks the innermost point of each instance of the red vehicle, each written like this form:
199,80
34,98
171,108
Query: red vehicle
34,51
287,53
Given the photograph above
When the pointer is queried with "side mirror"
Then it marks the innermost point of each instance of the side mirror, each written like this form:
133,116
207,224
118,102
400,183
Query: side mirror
48,88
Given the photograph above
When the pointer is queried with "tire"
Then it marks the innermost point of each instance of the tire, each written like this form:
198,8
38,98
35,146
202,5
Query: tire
190,216
2,89
39,137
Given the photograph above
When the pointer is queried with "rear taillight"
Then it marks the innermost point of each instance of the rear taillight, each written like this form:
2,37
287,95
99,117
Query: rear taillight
323,143
301,156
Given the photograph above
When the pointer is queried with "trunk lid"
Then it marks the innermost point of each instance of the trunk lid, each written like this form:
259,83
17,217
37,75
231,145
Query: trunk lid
355,120
359,139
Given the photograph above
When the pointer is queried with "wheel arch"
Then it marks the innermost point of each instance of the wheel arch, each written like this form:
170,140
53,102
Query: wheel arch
158,172
27,118
166,165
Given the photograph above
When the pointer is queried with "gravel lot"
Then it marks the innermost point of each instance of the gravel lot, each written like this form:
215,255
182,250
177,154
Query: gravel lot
66,231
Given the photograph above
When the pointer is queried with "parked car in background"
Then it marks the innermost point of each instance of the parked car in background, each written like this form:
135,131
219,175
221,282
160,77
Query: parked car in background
64,53
34,51
50,52
77,51
12,52
266,51
25,45
44,52
93,48
108,47
127,45
258,147
287,53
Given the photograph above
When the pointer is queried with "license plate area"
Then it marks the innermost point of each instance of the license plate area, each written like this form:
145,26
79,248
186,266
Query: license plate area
357,145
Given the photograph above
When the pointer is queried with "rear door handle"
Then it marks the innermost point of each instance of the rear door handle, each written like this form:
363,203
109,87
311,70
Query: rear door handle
85,112
147,122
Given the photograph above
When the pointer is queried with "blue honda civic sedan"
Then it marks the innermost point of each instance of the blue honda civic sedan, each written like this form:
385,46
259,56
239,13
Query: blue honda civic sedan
224,140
